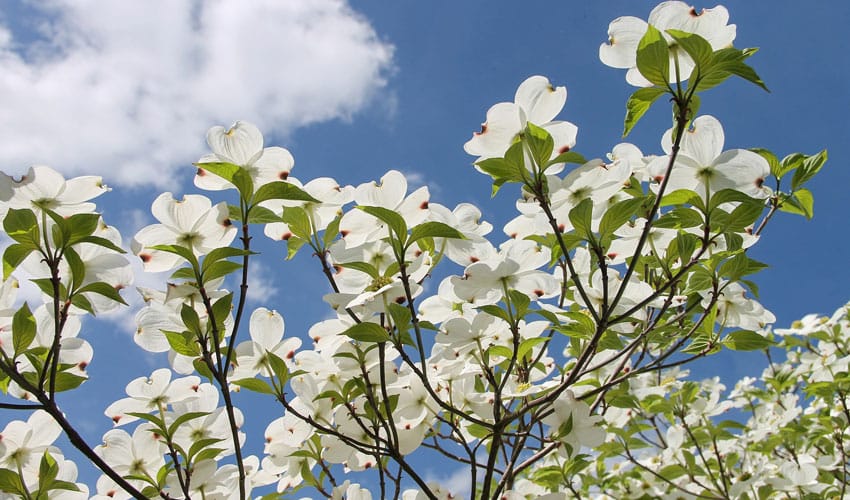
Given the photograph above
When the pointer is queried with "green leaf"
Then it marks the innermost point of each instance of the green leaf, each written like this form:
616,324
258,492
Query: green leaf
776,169
13,256
207,454
638,104
180,251
367,332
679,218
221,309
262,215
61,231
219,269
745,340
77,267
254,385
234,174
183,343
218,254
104,289
494,310
701,279
391,218
23,329
653,58
58,484
82,226
581,216
400,315
331,232
191,320
200,444
102,242
500,170
617,215
811,165
681,197
279,368
298,221
183,273
280,190
499,350
10,482
434,229
83,303
734,268
202,369
48,469
580,325
66,381
363,267
21,225
730,195
568,157
801,202
725,63
519,301
696,46
743,216
526,345
540,144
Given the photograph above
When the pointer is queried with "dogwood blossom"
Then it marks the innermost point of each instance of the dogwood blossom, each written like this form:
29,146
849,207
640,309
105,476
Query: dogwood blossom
624,34
536,101
192,222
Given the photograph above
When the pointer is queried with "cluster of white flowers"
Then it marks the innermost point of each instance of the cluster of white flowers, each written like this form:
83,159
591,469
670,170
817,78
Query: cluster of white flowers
547,364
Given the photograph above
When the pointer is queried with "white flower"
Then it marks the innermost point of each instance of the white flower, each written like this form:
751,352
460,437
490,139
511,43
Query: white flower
536,101
44,188
624,34
192,222
242,145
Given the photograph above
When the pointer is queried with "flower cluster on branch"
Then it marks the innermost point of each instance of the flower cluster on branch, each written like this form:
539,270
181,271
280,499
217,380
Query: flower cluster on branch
547,364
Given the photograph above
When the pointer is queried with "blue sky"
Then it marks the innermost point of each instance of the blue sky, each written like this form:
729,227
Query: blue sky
355,90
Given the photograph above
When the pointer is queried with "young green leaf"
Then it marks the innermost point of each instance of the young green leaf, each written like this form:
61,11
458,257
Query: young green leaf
802,202
367,332
696,46
254,385
391,218
13,256
280,190
745,340
23,329
105,289
433,229
21,225
638,104
653,57
262,215
581,216
540,144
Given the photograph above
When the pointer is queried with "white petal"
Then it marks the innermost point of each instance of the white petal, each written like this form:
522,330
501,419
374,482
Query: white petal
540,100
504,121
242,144
266,327
387,193
179,215
704,141
274,165
624,33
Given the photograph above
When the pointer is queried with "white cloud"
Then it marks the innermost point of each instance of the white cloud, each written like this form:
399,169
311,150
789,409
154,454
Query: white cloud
261,285
127,90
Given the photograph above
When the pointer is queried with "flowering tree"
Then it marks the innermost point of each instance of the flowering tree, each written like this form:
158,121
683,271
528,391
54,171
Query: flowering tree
549,366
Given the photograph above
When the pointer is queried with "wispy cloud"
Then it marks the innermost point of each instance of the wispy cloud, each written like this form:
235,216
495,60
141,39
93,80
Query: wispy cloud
127,89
